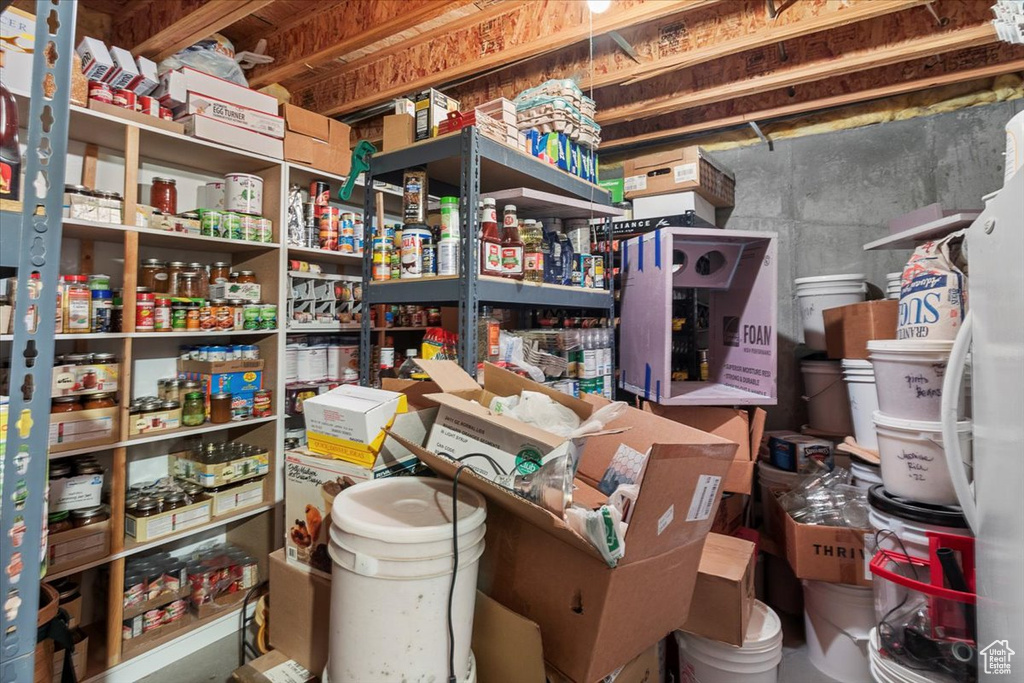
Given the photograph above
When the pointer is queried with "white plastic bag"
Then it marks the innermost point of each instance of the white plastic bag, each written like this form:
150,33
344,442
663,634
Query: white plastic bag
603,528
214,55
537,409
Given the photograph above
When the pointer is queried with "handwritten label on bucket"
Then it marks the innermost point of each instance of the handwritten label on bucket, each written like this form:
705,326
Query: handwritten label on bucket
703,498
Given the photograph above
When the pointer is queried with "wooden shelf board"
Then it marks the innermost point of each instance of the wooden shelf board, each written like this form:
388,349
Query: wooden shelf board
908,239
189,431
198,335
326,256
114,232
132,547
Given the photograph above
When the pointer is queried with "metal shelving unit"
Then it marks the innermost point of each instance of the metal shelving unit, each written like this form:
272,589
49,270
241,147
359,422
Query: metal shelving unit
24,472
468,165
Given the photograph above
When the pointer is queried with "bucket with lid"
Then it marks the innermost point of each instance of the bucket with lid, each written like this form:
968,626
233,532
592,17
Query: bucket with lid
865,474
816,294
828,405
909,375
859,376
837,622
771,477
909,522
885,670
391,547
914,461
702,660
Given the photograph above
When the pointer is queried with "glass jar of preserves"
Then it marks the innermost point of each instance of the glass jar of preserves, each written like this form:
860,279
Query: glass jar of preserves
104,359
154,275
174,500
174,269
59,521
233,276
188,285
202,280
145,507
98,401
220,271
193,412
220,408
59,470
87,516
163,195
65,404
246,276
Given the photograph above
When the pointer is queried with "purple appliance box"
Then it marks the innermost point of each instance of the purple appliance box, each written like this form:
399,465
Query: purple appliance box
740,275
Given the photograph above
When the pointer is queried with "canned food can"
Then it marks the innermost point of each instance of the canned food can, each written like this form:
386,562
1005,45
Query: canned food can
265,230
429,260
381,259
320,192
357,243
347,224
231,225
448,257
262,403
223,315
149,105
396,264
126,99
210,223
238,311
240,409
206,321
166,114
101,92
268,316
250,229
250,352
413,240
217,354
329,229
251,316
346,244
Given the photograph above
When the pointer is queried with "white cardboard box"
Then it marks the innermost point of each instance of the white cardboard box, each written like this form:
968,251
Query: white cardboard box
233,114
349,422
18,30
673,205
205,128
75,493
176,85
246,291
126,73
97,64
148,77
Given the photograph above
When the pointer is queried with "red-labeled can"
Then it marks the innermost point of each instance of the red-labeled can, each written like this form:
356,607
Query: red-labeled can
262,403
126,99
149,105
166,114
320,193
329,228
101,92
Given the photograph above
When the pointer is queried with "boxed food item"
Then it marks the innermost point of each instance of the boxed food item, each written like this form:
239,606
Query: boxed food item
125,72
237,498
273,667
74,380
299,624
349,422
154,421
17,38
66,549
399,131
724,594
678,170
217,367
75,493
848,329
674,204
148,77
799,453
231,113
234,383
97,64
432,107
214,475
164,523
246,291
214,130
176,85
83,428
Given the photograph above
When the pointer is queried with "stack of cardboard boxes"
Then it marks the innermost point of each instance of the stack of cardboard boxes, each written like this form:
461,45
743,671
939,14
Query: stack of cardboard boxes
676,181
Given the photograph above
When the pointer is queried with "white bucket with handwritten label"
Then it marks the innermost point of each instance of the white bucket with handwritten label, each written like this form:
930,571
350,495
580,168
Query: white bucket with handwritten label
909,375
914,461
815,294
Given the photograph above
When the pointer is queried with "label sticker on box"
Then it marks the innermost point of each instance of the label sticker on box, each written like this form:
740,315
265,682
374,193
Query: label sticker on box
666,518
684,173
869,554
288,672
634,183
703,498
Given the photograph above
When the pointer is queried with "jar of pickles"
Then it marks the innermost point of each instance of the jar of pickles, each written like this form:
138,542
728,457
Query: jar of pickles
193,411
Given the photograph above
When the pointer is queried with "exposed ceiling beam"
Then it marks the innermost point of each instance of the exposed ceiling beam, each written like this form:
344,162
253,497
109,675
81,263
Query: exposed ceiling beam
859,47
343,29
521,31
698,37
166,27
909,77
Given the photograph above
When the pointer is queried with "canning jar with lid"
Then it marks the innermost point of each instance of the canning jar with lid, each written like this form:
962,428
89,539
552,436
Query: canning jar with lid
111,207
97,401
65,404
154,275
163,195
220,408
203,278
174,500
76,202
188,285
220,271
146,507
193,412
59,470
87,516
246,276
59,521
174,269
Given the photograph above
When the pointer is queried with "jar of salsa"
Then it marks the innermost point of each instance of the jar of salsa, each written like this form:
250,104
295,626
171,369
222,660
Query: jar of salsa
65,404
87,516
153,275
163,195
97,401
219,272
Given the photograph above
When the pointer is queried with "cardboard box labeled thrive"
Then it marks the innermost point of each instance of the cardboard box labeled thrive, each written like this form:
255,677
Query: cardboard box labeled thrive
724,594
349,422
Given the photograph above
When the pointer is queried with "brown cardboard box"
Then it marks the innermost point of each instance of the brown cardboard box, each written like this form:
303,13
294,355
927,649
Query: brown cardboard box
78,657
399,131
254,671
507,646
679,170
730,513
724,594
300,604
67,549
823,553
316,141
595,619
742,427
848,329
83,428
305,122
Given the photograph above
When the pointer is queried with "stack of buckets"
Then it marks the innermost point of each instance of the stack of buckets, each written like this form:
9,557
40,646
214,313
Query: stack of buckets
892,285
702,660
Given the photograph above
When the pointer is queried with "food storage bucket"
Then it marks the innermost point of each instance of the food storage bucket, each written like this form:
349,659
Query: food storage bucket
865,474
828,405
908,376
816,294
908,522
702,660
913,459
859,376
837,622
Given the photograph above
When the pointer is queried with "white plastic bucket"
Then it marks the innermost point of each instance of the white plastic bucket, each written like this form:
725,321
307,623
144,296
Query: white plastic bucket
908,376
885,670
391,546
859,376
470,677
865,475
816,294
771,477
838,620
913,459
708,661
828,405
910,522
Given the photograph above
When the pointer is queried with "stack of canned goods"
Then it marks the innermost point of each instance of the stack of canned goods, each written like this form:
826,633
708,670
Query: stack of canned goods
328,227
231,225
219,353
151,578
220,570
160,313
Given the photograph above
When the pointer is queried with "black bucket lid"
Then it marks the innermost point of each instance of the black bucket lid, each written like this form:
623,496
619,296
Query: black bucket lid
911,510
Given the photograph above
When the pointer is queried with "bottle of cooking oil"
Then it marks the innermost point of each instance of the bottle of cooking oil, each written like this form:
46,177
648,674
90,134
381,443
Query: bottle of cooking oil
533,256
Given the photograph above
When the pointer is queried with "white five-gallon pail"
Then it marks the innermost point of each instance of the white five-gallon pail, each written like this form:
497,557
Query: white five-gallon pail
837,621
708,661
893,285
859,376
864,474
909,375
885,670
816,294
391,545
828,405
913,459
909,523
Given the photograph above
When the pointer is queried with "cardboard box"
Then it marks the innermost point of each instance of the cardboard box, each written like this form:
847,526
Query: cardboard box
237,498
823,553
465,425
349,422
150,423
301,602
77,380
724,594
506,645
273,667
596,619
83,428
729,518
403,105
18,31
67,549
399,131
432,107
148,528
848,329
205,367
176,85
648,667
246,291
211,475
79,656
149,79
97,64
798,453
206,128
673,204
75,493
125,73
742,427
234,383
233,114
305,122
678,170
331,156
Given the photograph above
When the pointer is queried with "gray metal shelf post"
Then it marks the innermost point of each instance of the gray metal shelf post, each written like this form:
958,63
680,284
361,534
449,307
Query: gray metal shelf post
370,228
469,312
24,473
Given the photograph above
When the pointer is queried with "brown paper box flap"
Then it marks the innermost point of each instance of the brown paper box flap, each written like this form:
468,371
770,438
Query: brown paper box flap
447,375
415,391
507,646
502,382
650,162
726,556
484,415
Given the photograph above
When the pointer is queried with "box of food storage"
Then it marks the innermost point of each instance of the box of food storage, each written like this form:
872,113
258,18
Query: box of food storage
231,113
246,291
349,422
206,367
75,493
169,522
75,380
83,428
237,498
153,421
74,547
184,465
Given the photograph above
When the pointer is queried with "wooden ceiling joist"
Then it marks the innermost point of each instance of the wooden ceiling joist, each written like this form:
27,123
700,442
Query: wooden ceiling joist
344,29
698,37
519,32
987,61
163,28
867,45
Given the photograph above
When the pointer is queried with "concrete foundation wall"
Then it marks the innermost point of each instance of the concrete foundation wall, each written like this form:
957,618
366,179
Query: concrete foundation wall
828,195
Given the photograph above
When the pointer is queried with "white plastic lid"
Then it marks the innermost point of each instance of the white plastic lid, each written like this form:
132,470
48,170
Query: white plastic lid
763,627
856,363
894,276
406,510
883,420
911,345
819,279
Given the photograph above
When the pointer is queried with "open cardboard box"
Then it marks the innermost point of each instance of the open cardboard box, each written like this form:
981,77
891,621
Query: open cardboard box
595,618
724,595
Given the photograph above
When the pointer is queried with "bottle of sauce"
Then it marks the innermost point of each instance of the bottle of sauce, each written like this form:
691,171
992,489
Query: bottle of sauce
533,254
10,153
490,240
387,362
511,245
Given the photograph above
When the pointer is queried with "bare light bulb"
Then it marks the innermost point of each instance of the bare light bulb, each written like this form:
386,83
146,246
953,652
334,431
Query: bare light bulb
599,6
